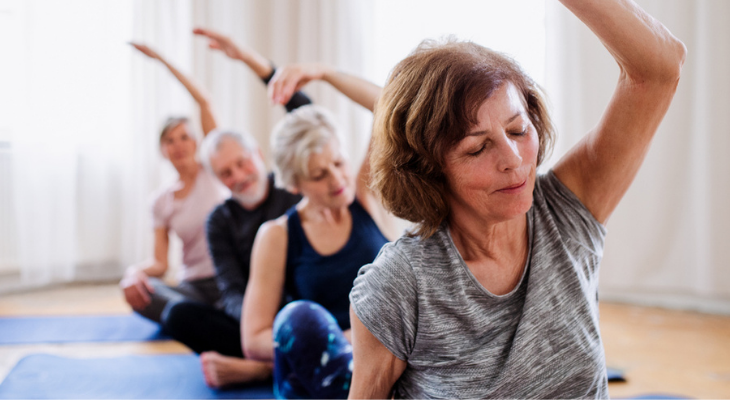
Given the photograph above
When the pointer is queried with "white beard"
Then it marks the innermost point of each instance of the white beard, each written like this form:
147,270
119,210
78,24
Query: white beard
252,199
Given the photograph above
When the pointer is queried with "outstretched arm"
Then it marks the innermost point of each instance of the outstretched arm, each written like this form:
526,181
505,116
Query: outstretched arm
255,61
600,169
290,79
207,119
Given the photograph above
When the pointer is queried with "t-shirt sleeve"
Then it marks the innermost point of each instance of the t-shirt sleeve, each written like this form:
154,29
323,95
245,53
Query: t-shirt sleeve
571,216
384,298
162,209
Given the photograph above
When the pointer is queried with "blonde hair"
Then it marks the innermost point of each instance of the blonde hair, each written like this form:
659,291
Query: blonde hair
304,131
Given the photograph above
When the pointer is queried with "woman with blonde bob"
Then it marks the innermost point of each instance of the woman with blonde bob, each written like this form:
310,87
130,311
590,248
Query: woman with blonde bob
310,256
495,293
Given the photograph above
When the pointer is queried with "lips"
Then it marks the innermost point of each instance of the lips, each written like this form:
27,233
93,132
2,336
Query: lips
338,191
514,188
241,187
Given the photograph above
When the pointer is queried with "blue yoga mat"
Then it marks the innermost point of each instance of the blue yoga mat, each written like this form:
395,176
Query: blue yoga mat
42,376
108,328
615,375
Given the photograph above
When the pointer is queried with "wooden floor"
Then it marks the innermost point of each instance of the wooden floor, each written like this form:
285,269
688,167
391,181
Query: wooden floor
660,351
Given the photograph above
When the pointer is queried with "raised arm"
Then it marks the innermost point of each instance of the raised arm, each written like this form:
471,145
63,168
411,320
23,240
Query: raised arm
600,169
290,79
207,118
255,61
264,291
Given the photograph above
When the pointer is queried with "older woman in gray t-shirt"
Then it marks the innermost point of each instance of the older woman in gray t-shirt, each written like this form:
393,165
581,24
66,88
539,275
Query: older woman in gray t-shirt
495,293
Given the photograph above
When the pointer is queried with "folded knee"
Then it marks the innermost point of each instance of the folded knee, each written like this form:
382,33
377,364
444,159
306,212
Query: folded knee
176,315
301,317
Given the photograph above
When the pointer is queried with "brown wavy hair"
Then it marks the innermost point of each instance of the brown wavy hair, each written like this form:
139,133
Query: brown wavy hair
429,103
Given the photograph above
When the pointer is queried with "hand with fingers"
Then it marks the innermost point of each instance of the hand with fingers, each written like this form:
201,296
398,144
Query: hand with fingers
218,41
144,49
137,289
291,78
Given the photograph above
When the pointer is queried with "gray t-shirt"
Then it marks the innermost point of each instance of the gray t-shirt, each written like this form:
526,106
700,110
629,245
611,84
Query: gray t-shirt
460,341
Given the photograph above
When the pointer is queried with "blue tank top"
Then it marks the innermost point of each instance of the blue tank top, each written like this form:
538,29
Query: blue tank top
327,280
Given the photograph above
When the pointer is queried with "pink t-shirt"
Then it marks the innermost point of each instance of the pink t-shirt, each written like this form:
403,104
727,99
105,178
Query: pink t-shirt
187,217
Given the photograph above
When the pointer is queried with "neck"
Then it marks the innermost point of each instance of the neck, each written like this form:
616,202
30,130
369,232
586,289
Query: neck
317,213
187,171
479,241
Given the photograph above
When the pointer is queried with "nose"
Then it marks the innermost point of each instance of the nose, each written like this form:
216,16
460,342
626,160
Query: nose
337,179
509,154
239,174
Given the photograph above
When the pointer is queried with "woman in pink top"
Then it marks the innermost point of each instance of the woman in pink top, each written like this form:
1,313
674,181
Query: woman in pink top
183,207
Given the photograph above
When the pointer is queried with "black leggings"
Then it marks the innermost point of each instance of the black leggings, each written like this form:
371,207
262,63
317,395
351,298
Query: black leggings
203,327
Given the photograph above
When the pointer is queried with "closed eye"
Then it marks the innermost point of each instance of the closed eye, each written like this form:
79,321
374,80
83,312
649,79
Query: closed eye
476,153
521,133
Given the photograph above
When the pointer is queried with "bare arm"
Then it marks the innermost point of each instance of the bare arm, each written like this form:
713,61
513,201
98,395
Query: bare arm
255,61
375,369
261,66
290,79
207,119
264,290
600,169
135,285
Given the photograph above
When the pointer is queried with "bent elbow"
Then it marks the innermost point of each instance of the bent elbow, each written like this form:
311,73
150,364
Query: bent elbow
681,56
253,352
249,353
663,68
675,57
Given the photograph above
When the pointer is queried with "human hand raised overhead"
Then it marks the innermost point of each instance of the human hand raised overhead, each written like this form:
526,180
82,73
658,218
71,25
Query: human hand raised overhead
144,49
218,41
291,78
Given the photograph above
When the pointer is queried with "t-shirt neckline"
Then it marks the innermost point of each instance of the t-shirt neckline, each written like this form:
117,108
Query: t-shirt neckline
473,278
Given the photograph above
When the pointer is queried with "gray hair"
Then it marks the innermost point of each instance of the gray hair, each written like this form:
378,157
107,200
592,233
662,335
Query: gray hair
215,139
170,124
304,131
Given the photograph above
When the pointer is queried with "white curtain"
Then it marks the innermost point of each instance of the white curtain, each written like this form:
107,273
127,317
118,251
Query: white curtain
667,239
67,126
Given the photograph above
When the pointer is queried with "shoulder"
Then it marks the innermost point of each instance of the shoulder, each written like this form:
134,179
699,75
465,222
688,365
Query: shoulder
269,248
162,201
213,185
273,232
224,218
284,198
385,297
398,261
555,206
222,212
163,194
